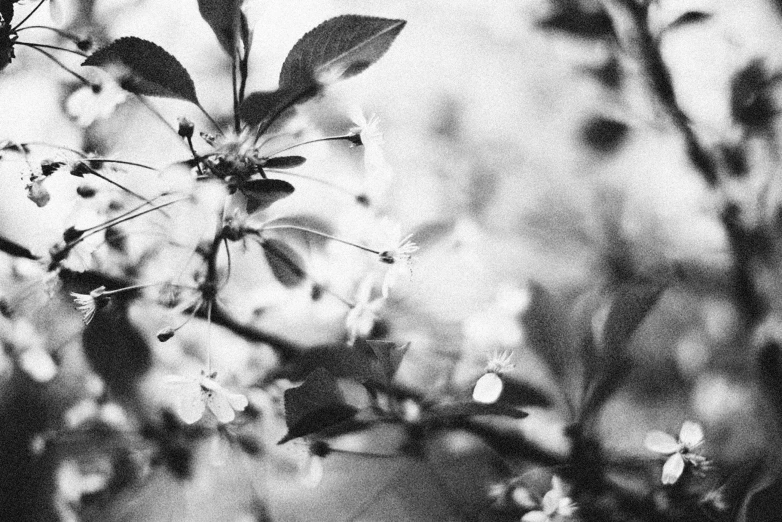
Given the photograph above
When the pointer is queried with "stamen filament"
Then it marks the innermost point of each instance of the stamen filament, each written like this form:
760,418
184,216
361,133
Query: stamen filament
321,234
28,16
308,142
81,78
46,46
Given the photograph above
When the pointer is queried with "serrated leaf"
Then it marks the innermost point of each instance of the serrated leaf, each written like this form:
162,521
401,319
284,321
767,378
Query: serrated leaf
223,17
286,264
261,193
145,68
314,406
16,250
339,48
284,162
336,49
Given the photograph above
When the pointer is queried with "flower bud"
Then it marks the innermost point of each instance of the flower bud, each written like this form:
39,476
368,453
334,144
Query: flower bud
185,128
165,334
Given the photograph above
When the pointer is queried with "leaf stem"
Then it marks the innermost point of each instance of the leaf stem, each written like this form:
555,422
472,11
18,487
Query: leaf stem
78,76
209,117
157,114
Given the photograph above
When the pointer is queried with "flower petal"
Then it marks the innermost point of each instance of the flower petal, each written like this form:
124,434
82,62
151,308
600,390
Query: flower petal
190,404
38,364
488,388
691,434
550,502
219,405
237,401
566,507
535,516
673,468
661,442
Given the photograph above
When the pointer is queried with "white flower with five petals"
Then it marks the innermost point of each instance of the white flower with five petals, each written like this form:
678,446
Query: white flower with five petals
555,506
680,450
195,395
361,318
396,251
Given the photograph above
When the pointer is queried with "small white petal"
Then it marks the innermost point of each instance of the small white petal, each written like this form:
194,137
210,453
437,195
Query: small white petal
551,502
190,405
219,405
313,473
237,401
661,442
488,388
566,507
691,434
38,364
673,468
535,516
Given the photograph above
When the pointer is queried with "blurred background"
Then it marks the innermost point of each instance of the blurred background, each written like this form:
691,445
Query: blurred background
522,155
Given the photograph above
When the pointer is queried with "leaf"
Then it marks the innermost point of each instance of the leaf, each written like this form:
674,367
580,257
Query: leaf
286,264
445,413
261,193
545,326
631,305
751,102
222,16
314,406
258,106
383,360
339,48
16,250
145,68
7,10
336,49
284,162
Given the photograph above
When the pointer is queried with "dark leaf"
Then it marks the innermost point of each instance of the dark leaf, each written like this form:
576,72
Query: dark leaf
145,68
579,22
450,412
14,249
383,358
689,18
261,193
604,134
545,326
7,10
632,304
629,308
284,162
339,48
223,17
336,49
286,264
314,406
258,106
519,393
751,103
